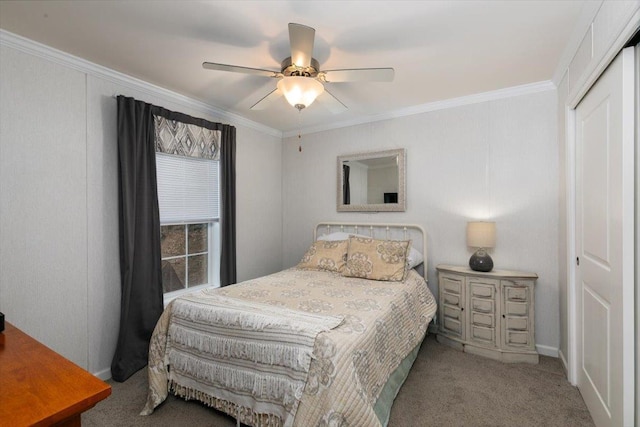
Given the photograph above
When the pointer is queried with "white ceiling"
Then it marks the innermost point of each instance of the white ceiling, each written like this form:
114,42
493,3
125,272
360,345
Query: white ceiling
439,49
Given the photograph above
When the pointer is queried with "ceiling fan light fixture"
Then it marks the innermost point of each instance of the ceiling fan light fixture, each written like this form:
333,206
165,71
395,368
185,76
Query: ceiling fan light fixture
300,91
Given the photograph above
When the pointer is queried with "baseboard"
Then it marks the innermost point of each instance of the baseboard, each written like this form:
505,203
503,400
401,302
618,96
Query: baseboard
565,365
104,375
546,350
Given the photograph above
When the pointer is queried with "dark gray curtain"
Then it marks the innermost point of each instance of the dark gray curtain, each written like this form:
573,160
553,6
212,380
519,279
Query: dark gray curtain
228,214
140,258
140,268
346,187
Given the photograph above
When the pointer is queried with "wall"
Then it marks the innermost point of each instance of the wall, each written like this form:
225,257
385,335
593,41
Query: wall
43,201
495,159
59,260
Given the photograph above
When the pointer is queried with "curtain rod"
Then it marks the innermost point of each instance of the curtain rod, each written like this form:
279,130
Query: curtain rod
182,117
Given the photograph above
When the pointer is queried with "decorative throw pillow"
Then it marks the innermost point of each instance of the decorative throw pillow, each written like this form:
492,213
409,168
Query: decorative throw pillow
377,259
325,255
414,259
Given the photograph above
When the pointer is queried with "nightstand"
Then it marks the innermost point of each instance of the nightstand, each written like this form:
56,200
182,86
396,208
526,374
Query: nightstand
489,314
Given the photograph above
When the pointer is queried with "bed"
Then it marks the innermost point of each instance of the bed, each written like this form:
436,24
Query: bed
326,343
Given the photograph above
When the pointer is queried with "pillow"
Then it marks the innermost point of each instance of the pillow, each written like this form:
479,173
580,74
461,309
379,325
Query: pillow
414,258
325,255
339,236
375,259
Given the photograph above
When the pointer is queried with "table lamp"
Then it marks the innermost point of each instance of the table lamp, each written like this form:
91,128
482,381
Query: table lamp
481,235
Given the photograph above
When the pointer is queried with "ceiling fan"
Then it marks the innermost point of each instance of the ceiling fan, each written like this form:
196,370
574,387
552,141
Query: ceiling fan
300,79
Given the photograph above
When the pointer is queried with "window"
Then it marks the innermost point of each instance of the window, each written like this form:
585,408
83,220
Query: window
185,256
189,199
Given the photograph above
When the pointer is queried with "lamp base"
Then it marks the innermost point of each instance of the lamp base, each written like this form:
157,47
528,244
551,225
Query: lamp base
481,261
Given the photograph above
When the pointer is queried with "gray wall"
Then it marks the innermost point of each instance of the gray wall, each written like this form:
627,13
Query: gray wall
495,159
43,202
59,260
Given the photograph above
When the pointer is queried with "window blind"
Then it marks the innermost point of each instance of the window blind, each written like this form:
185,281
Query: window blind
188,189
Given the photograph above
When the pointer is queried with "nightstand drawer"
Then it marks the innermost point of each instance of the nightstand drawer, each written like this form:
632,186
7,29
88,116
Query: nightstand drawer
452,312
451,299
516,338
516,308
452,326
482,305
517,323
451,285
516,293
486,335
522,283
484,289
481,319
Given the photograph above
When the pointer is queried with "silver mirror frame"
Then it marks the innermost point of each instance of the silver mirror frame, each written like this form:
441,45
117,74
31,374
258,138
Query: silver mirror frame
401,206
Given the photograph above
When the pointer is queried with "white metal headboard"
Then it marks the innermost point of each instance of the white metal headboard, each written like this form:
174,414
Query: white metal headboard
412,232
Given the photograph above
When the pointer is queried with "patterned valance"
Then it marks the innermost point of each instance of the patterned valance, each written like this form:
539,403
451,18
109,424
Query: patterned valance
182,139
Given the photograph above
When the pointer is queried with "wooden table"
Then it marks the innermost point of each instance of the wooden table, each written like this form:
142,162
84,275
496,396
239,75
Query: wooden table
38,387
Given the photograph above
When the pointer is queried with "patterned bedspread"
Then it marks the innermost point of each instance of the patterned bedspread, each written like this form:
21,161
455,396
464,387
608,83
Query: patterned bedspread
382,322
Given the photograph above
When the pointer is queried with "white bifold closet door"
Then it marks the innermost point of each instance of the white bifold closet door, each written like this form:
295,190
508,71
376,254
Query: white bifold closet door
605,120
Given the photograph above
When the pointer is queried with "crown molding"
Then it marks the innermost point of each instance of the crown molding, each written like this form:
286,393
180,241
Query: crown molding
40,50
510,92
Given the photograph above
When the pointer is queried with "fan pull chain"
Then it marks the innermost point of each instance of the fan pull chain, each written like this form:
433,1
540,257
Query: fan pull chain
299,130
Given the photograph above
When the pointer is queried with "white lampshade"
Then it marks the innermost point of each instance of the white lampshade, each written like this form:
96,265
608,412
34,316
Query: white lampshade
481,234
300,91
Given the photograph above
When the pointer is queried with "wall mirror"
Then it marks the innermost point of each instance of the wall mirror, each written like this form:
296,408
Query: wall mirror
372,182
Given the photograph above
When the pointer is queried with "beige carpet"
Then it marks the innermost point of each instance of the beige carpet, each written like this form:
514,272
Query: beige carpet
445,388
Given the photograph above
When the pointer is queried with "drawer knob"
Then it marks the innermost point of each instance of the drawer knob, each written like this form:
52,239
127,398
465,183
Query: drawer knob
503,316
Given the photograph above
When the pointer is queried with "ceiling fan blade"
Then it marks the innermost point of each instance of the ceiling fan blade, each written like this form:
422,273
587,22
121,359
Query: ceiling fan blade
238,69
267,100
301,39
359,75
332,103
